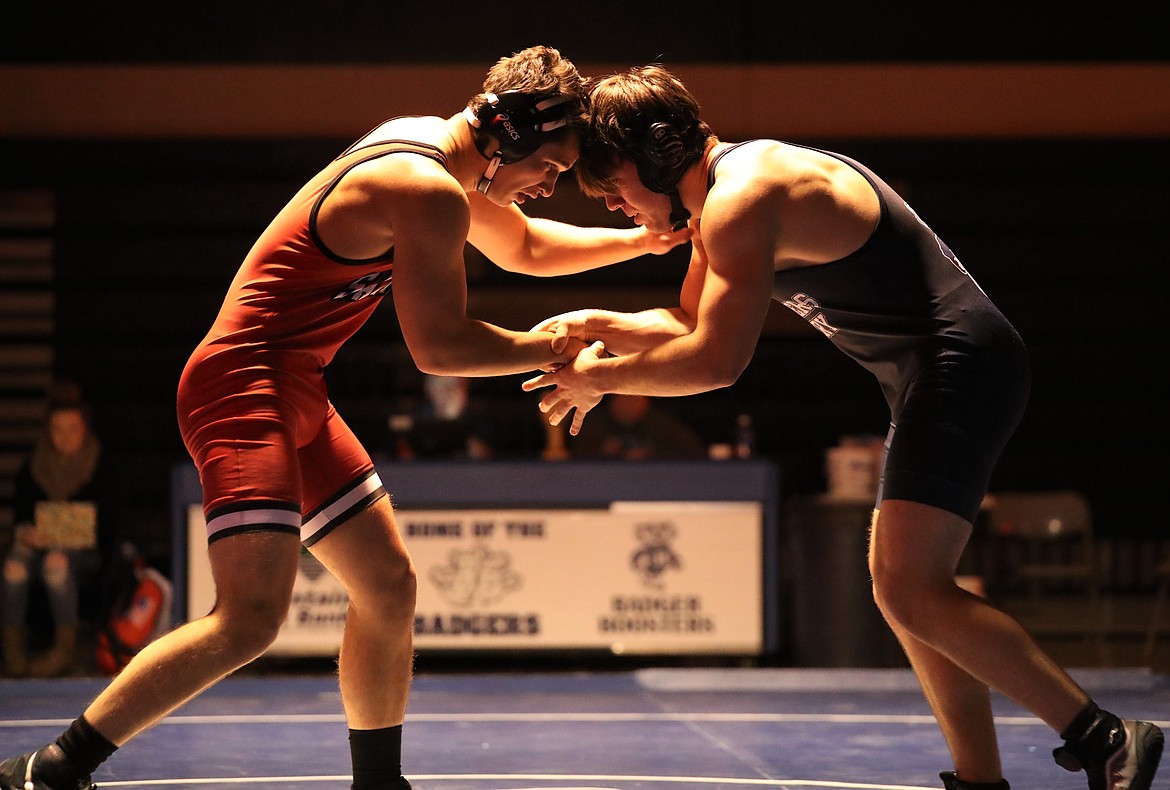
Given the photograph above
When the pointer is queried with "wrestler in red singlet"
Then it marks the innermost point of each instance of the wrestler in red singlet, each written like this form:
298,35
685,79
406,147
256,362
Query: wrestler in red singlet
252,403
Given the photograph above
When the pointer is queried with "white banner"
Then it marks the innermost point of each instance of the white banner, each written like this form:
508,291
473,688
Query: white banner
639,577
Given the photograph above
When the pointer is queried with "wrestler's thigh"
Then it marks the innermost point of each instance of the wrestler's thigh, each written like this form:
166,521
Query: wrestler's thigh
254,569
913,540
331,466
366,551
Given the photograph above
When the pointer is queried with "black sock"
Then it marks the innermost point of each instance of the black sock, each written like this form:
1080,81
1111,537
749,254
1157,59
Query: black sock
84,747
951,781
376,756
68,761
1082,722
1094,735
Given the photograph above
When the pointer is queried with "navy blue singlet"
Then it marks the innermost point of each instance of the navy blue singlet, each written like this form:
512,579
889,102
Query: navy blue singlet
953,369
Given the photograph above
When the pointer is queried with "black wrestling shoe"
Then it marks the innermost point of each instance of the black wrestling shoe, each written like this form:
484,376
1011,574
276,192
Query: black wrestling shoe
398,784
20,773
1130,766
952,782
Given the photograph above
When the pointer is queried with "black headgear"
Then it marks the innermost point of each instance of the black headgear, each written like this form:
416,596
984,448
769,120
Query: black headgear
519,122
667,150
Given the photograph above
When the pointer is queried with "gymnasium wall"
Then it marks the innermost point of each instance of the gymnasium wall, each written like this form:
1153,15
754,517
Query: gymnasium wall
1035,145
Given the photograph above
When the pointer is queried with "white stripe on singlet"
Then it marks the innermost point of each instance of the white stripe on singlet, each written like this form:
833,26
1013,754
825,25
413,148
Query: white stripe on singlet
240,518
325,517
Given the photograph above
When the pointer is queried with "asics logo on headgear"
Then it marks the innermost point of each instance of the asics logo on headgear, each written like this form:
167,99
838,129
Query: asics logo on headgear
503,120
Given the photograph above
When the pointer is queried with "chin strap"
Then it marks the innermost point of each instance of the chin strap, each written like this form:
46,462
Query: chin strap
485,181
678,212
494,160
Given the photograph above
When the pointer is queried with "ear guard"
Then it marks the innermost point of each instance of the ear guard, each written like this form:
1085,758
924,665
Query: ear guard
663,158
661,161
519,122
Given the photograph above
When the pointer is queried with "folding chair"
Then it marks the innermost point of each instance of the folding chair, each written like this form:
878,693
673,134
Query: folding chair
1049,537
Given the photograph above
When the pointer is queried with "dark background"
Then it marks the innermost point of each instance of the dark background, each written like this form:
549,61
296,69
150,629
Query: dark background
1067,235
732,31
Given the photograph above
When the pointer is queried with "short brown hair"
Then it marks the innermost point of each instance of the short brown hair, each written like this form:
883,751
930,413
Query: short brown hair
622,109
539,71
66,395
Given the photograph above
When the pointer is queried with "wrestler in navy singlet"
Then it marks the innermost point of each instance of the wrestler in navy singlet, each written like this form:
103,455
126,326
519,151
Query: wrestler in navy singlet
953,369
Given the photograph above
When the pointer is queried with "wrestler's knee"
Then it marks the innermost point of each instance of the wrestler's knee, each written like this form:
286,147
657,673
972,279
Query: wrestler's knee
250,621
15,572
396,597
392,598
914,603
893,592
55,568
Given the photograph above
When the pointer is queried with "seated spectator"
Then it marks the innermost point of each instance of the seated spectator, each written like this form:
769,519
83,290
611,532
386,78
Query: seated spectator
61,507
631,427
447,425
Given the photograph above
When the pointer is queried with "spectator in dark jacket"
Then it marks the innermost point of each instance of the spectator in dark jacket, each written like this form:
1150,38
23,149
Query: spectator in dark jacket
54,546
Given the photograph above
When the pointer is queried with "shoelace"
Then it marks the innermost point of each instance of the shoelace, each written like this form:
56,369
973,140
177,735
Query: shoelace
28,769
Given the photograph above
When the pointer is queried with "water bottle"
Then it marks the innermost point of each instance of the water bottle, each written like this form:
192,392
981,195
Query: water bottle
745,436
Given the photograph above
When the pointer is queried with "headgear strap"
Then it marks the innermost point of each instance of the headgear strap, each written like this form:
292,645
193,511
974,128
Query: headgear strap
518,122
662,160
679,215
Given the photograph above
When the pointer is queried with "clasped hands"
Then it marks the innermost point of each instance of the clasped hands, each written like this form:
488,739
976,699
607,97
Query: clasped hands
28,535
573,387
574,384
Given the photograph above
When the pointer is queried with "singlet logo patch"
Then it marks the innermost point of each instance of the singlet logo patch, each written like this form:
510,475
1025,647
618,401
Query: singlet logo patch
943,248
374,284
810,310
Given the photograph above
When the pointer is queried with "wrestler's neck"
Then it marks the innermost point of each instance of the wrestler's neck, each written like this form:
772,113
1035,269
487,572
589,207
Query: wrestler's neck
692,187
464,161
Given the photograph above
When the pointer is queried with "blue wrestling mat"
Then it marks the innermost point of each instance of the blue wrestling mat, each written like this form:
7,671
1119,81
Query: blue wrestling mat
651,729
